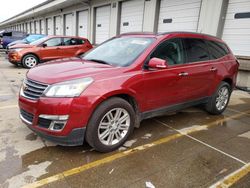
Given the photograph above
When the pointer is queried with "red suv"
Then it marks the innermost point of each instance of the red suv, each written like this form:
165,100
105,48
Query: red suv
102,96
47,48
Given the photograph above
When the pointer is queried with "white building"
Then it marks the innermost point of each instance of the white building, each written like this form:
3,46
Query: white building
99,20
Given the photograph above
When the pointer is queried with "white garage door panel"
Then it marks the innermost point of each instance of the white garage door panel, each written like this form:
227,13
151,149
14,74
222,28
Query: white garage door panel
237,31
68,24
49,26
58,25
102,24
42,27
83,23
28,27
132,16
32,30
184,15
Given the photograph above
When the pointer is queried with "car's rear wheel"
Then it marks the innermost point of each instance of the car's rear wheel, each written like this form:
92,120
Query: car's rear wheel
219,100
110,125
29,61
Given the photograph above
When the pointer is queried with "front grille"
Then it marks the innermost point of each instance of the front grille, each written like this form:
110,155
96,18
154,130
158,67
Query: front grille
27,116
32,89
45,123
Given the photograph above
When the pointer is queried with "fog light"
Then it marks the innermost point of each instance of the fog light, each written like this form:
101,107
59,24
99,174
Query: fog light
57,122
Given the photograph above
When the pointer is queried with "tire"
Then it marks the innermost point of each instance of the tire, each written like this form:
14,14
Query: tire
98,136
29,61
213,106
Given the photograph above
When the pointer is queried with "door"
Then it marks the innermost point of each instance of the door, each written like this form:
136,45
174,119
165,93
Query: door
131,16
43,31
201,73
237,27
37,27
28,27
68,25
52,49
83,24
70,47
49,26
32,27
179,15
58,25
164,87
102,24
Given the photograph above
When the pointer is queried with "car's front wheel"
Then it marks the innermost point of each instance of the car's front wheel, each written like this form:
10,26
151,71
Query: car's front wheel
29,61
219,100
110,125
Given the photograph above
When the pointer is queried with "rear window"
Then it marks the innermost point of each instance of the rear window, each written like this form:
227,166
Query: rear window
196,50
217,49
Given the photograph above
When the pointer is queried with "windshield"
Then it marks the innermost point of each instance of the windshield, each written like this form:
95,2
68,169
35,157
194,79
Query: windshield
119,52
39,41
32,38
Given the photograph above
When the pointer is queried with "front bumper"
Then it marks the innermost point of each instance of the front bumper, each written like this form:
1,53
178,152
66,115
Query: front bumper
74,130
75,137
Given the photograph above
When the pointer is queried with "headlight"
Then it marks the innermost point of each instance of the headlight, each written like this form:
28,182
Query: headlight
71,88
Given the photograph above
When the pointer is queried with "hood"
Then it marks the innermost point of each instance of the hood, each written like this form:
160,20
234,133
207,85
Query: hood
66,69
17,42
21,46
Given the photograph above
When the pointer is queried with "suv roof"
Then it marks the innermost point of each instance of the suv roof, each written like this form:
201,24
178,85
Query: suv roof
156,34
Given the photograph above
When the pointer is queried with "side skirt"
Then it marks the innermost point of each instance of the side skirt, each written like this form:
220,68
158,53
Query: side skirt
172,108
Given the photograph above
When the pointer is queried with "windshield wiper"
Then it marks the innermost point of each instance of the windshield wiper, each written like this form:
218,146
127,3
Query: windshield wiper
99,61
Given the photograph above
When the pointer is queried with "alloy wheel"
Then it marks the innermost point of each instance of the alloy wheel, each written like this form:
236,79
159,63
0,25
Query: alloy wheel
222,98
114,126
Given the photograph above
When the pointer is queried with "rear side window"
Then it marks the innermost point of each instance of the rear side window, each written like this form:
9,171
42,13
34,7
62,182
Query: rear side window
196,50
80,41
217,49
72,41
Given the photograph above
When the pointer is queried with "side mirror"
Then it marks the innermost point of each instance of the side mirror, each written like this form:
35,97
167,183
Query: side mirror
44,45
156,63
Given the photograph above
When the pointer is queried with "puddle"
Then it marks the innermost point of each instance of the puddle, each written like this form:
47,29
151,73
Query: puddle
31,137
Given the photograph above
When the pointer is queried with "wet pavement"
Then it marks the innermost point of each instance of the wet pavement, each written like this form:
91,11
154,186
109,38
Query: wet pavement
186,149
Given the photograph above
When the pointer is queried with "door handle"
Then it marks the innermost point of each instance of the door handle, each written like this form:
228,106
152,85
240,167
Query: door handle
183,74
213,69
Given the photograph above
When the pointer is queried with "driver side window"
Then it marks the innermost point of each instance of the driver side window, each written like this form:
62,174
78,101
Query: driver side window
171,51
53,42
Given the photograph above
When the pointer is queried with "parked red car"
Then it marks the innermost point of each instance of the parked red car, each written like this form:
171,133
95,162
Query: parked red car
47,48
102,96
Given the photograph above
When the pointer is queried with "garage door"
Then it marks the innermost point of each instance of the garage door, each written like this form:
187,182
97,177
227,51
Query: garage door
131,16
237,27
49,26
82,23
28,27
32,27
42,27
179,15
102,24
37,27
68,28
58,25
